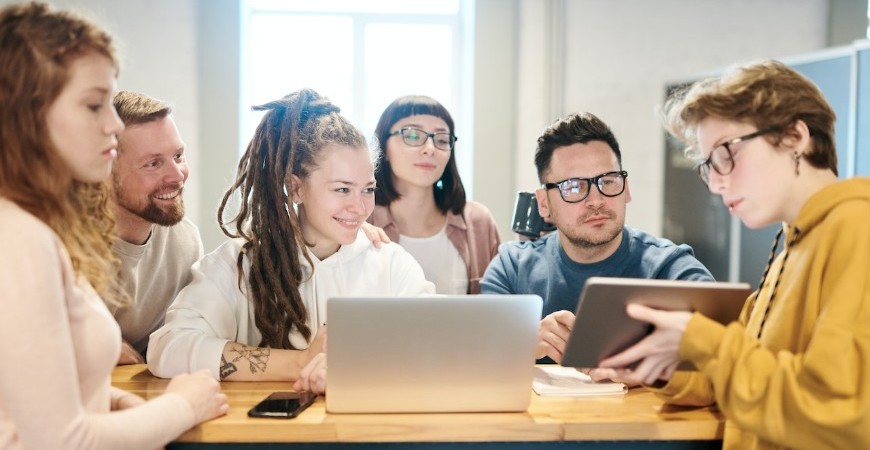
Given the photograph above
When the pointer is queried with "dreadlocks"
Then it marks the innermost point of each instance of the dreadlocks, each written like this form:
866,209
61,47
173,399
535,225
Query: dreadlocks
287,142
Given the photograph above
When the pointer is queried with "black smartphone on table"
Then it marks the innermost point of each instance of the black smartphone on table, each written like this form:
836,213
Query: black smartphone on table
283,405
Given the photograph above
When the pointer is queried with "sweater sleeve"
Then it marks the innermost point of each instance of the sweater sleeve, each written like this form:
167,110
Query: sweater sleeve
500,276
201,320
816,398
682,265
40,388
8,435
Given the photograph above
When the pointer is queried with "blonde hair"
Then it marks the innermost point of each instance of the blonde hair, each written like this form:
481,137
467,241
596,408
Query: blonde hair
767,94
37,48
135,108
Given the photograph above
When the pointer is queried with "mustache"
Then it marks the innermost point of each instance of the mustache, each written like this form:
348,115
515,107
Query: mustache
598,213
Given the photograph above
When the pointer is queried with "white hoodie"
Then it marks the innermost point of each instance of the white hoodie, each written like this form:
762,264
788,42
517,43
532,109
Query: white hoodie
213,310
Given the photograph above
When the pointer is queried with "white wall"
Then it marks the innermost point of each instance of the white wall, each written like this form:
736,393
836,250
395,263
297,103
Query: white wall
157,46
534,61
619,54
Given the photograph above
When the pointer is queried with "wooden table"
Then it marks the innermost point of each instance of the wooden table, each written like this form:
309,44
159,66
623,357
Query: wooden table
635,420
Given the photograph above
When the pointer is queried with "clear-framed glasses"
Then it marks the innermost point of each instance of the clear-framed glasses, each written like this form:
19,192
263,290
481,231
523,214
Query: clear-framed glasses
416,137
721,159
575,190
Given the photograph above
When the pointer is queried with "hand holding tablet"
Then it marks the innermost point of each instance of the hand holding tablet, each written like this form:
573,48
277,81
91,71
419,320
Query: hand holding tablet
603,329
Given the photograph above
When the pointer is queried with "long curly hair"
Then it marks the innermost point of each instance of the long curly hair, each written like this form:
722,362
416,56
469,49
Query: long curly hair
37,49
288,141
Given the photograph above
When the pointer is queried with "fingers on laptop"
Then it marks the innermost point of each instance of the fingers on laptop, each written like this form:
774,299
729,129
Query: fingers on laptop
313,376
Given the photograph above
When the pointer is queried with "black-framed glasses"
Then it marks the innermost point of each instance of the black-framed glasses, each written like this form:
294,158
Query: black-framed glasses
721,159
575,190
416,137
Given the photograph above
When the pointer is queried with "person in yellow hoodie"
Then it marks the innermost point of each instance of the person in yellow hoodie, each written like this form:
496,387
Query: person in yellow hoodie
794,370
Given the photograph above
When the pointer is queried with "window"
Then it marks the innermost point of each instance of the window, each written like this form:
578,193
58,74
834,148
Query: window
362,54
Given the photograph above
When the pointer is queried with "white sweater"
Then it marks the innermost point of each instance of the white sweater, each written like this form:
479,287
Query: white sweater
213,310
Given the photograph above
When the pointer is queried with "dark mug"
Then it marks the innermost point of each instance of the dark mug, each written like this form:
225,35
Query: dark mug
527,220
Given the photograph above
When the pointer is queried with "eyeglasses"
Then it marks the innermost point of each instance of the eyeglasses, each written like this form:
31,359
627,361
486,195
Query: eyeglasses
575,190
721,159
416,137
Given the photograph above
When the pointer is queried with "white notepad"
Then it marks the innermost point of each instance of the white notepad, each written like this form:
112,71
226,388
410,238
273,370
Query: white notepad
558,381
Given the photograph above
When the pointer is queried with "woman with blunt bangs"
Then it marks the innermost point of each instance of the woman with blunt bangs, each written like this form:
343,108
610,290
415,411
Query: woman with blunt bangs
256,308
794,370
58,341
421,200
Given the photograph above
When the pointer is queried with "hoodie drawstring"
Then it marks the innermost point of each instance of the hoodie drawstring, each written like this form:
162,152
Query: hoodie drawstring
778,277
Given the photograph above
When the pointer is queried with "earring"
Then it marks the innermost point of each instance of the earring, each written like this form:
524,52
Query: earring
797,163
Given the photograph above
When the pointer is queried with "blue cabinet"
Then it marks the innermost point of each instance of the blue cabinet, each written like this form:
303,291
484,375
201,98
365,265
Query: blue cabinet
862,116
833,75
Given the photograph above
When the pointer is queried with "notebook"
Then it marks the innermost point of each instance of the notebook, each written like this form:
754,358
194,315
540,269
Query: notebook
557,381
602,328
463,353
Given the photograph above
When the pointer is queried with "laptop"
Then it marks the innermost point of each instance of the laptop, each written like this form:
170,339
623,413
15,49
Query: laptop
602,328
462,353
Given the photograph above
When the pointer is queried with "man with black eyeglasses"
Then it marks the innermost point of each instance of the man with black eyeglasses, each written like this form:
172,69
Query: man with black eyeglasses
583,192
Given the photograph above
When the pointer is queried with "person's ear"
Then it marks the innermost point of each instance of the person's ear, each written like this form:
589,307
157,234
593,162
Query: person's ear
543,203
296,189
627,191
797,137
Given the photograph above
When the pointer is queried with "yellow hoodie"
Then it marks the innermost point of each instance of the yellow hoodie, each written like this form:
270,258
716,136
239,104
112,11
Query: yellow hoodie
805,384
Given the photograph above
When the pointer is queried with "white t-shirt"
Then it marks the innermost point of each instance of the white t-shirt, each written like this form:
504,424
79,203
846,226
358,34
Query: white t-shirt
440,261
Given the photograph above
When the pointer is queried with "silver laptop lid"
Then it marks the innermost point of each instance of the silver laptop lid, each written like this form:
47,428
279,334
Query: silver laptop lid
431,354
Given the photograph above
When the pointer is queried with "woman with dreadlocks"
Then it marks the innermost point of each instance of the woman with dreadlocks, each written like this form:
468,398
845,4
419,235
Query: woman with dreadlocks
256,307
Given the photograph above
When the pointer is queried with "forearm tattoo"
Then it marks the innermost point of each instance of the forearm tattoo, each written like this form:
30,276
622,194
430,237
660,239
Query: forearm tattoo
227,368
257,358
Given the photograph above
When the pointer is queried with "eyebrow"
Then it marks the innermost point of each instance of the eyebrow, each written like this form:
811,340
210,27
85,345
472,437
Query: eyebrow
100,89
369,183
159,155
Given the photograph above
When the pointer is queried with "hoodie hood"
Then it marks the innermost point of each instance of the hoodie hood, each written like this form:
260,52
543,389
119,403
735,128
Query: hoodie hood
820,204
329,278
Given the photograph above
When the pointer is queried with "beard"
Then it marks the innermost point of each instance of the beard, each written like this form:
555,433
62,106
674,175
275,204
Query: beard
593,241
150,211
597,238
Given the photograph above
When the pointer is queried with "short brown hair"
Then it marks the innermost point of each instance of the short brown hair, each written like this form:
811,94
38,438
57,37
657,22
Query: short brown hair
569,130
767,94
135,108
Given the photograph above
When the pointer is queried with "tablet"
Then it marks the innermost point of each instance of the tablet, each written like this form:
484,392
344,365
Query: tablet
602,328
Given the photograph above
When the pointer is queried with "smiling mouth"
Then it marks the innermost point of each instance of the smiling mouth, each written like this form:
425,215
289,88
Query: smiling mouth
348,222
168,195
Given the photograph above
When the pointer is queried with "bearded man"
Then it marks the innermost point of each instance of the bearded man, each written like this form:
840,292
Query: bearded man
156,244
584,191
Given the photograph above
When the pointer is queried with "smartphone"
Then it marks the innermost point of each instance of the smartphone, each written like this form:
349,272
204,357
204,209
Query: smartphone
283,405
